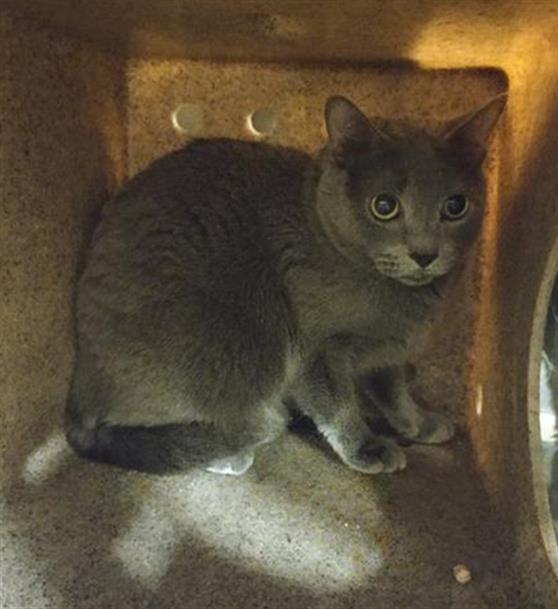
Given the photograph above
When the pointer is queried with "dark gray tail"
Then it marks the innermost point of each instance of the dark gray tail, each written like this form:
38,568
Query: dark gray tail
165,449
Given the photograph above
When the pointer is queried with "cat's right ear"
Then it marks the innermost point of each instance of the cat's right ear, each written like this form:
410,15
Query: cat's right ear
470,134
348,129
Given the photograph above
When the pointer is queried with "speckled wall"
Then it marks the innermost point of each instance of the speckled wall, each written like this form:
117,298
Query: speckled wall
62,150
228,93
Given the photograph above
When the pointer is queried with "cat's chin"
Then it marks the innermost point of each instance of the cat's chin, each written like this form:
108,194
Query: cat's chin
416,282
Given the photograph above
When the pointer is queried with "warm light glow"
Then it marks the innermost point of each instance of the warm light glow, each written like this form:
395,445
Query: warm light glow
479,402
262,122
188,119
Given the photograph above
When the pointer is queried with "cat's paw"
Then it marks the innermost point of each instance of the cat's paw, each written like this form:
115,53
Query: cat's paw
235,465
377,456
435,428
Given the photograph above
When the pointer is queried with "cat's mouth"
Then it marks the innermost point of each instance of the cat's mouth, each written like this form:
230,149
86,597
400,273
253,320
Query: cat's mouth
414,277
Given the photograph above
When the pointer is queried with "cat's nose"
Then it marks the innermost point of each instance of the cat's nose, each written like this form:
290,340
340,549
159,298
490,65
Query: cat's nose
424,259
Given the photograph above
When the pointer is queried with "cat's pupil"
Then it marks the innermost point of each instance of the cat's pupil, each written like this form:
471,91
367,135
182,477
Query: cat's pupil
385,206
456,206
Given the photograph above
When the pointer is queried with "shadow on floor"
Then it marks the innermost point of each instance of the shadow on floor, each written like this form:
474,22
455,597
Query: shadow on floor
300,530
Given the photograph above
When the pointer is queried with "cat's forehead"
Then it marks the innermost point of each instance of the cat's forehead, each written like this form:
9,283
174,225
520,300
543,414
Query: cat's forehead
419,161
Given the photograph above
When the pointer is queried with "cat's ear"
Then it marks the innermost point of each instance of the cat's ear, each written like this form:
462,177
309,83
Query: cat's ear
348,129
470,134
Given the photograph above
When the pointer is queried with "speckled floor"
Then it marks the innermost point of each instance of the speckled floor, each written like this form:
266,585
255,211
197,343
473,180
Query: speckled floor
298,531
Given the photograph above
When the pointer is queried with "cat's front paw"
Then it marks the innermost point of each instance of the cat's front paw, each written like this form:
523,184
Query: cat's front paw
435,428
376,456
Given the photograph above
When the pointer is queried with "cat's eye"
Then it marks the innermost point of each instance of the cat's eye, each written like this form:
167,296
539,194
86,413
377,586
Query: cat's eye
385,207
455,207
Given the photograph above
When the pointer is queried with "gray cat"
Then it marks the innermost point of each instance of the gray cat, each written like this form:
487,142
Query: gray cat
231,278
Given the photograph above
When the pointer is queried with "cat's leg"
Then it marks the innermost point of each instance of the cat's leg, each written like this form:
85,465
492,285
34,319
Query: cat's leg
326,392
388,390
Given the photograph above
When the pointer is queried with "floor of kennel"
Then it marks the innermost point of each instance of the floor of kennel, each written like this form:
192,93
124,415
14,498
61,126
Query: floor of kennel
297,531
87,96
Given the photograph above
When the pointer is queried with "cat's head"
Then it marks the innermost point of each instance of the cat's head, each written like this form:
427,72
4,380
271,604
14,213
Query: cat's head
407,202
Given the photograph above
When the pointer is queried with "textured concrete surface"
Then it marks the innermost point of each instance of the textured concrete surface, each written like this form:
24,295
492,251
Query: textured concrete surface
74,120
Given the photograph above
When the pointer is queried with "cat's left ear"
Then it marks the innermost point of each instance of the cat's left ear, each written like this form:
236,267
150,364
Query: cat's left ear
348,128
470,134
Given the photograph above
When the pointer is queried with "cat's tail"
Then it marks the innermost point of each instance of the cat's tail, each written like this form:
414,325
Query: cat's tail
164,449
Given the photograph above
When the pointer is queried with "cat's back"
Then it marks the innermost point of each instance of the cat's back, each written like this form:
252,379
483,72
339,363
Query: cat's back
195,238
209,203
215,173
182,299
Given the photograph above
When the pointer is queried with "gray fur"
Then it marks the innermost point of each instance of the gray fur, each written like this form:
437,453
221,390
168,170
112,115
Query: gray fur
230,278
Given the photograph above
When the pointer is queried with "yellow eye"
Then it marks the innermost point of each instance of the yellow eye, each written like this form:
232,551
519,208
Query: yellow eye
455,207
385,207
